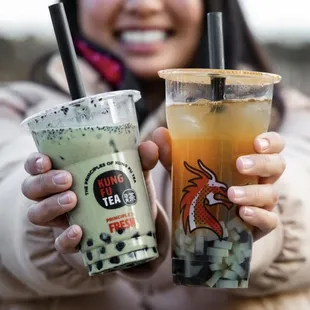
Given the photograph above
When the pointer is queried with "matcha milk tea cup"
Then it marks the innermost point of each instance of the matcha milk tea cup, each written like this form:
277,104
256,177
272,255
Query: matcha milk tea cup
96,139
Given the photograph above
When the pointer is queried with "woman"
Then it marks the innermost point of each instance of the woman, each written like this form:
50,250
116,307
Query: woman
122,44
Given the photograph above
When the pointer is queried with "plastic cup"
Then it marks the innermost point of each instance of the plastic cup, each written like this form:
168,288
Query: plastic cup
96,139
211,244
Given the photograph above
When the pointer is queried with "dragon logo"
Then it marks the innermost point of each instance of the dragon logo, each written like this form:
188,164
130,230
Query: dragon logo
203,191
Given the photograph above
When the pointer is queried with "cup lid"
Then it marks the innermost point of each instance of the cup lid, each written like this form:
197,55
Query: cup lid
232,77
75,103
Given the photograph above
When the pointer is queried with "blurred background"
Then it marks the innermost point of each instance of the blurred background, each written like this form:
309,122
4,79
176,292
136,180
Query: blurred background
283,27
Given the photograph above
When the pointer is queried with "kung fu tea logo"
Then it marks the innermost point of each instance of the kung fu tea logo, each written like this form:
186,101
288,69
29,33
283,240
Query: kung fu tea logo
112,190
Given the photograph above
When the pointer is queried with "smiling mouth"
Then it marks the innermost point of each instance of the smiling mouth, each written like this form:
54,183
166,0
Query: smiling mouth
143,37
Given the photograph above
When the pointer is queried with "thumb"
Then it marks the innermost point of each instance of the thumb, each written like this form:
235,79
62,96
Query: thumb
162,139
149,155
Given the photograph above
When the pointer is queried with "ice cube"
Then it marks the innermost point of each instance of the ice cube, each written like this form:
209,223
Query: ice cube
240,257
231,275
215,259
217,252
240,228
191,248
199,245
230,260
244,284
215,267
244,246
179,237
223,244
238,269
211,236
215,277
225,233
247,253
179,251
233,235
235,223
237,250
227,284
188,239
191,271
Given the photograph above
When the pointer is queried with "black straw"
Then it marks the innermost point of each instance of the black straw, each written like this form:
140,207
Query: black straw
216,53
67,51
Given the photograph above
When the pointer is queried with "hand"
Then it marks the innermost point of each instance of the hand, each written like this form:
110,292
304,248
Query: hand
51,191
256,201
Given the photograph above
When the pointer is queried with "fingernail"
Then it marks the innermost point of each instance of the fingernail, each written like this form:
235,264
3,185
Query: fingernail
65,199
72,233
247,162
248,212
39,164
60,179
264,144
238,192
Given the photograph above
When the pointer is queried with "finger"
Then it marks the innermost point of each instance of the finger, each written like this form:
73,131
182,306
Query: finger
59,222
262,165
68,241
269,143
37,163
265,221
254,195
47,210
162,138
42,185
149,155
151,193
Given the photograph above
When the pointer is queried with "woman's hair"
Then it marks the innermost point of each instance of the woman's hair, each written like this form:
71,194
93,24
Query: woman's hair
240,46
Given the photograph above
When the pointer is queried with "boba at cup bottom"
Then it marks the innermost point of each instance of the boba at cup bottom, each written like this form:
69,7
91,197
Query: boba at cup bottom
121,255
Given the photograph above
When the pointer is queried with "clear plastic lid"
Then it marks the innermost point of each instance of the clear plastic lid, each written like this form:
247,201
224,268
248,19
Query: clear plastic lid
107,108
232,77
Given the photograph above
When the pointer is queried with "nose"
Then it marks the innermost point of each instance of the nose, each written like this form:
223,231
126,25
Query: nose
143,8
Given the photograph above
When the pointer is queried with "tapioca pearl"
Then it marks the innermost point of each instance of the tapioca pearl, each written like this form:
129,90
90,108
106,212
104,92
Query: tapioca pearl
136,235
89,255
154,250
115,260
90,267
99,265
105,238
150,233
90,242
120,246
102,250
120,231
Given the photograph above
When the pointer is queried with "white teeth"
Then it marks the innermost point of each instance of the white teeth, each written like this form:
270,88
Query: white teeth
143,37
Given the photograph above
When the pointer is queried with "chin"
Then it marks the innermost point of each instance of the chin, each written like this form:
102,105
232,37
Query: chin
148,69
145,72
